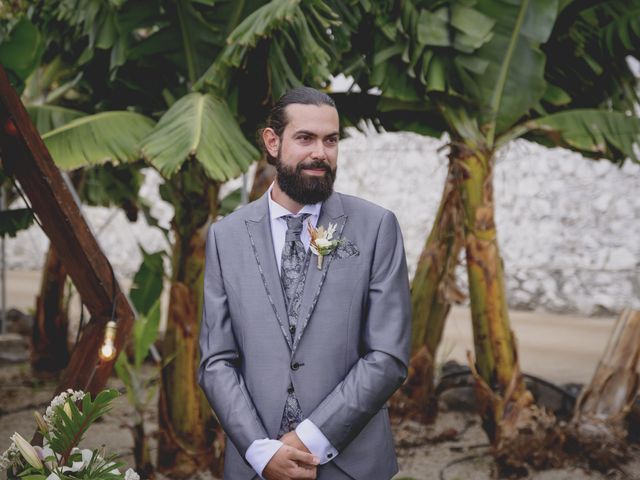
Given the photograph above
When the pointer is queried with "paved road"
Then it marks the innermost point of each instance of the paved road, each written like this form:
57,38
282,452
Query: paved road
559,348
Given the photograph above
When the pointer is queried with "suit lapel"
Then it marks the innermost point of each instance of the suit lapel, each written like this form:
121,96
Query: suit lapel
259,229
332,212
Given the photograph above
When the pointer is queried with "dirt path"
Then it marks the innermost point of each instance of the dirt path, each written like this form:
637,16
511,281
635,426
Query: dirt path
558,348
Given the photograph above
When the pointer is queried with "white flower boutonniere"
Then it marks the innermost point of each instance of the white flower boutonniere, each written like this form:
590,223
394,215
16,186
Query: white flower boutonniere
322,241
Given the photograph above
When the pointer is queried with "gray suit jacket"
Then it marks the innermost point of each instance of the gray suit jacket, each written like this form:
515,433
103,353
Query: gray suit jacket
351,347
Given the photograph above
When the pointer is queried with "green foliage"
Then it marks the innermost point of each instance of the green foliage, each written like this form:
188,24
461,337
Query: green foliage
96,23
69,430
298,46
201,127
12,221
513,82
50,117
99,138
145,295
21,49
230,202
488,71
588,50
113,185
146,332
593,133
60,456
147,282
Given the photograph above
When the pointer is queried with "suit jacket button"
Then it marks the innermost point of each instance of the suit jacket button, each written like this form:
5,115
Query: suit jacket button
292,329
290,390
329,455
295,366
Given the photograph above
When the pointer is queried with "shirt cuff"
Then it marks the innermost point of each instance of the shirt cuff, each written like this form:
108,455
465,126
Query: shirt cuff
260,452
315,441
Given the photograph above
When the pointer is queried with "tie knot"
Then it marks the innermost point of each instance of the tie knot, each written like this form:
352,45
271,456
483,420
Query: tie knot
294,226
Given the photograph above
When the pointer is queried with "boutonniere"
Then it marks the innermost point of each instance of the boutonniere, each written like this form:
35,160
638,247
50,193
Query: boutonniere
322,241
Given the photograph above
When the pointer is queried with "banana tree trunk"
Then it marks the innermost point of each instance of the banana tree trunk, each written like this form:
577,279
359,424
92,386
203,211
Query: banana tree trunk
493,340
188,431
141,452
264,176
598,428
519,431
50,350
496,359
432,292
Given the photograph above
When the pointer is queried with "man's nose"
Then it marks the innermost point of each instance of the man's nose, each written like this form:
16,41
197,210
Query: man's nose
318,152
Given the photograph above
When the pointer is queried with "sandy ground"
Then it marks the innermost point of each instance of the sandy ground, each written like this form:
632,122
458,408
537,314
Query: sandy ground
559,348
555,347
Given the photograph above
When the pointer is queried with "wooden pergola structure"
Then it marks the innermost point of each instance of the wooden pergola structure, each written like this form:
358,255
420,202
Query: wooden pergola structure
25,157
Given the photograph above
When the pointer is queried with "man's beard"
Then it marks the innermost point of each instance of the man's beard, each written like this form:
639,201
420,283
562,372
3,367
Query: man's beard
302,188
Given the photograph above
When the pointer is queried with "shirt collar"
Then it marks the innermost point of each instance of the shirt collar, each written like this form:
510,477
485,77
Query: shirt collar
276,210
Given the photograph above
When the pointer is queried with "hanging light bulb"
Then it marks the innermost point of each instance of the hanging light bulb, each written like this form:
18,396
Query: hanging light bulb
108,348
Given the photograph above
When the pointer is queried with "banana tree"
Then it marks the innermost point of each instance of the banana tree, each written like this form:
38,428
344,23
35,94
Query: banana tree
168,64
490,71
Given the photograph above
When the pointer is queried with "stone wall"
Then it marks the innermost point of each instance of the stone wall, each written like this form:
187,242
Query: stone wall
569,228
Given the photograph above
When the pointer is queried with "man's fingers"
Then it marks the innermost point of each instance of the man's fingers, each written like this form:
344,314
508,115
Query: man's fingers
303,457
305,473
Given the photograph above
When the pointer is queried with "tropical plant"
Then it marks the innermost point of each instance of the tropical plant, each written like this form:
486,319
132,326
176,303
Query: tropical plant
43,88
487,72
142,388
63,427
21,47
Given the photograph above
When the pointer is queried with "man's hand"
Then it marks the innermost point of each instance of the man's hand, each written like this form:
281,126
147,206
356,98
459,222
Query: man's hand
289,463
293,440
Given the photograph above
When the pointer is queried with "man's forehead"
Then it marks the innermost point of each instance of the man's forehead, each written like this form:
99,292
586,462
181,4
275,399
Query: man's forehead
312,118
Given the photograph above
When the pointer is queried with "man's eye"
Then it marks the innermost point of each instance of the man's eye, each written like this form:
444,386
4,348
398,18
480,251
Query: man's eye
331,141
304,138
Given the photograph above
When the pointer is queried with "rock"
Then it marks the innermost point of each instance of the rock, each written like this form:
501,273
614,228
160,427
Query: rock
13,348
19,322
621,259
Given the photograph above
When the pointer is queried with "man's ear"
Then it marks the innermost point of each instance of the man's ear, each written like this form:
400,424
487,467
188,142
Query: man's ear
271,141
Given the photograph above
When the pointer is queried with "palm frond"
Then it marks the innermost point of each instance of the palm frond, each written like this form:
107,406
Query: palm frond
96,139
300,31
199,126
593,133
50,117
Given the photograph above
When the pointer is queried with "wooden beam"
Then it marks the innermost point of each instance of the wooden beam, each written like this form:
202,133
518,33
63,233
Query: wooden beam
26,158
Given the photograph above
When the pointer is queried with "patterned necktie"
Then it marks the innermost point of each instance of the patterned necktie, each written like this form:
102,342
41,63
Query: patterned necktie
293,256
292,275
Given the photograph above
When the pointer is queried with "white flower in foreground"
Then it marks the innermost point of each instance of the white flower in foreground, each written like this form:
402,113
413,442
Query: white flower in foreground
67,409
53,476
323,243
59,401
42,425
82,464
9,457
26,449
131,475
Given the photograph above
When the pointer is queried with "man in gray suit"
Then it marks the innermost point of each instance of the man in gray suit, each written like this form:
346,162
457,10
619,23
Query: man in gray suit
306,318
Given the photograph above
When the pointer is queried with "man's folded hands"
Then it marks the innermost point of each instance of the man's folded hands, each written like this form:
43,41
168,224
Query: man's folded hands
291,462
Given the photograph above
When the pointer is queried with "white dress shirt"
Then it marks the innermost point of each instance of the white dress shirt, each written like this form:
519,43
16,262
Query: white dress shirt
262,450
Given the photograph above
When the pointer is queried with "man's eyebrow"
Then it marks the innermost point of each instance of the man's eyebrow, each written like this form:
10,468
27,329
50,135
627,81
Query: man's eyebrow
312,134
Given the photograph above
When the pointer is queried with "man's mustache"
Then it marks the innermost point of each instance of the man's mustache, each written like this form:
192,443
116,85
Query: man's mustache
317,165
